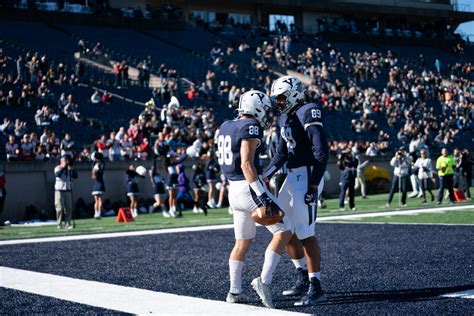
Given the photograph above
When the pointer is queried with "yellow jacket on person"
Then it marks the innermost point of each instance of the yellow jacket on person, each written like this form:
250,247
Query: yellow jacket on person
446,165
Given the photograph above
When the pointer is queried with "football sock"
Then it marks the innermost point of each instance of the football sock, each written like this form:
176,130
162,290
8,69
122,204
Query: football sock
314,275
269,266
300,263
235,273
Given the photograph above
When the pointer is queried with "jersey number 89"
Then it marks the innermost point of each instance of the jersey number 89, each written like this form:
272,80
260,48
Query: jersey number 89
224,150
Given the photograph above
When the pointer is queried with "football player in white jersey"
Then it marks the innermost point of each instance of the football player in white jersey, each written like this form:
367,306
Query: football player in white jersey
239,145
304,149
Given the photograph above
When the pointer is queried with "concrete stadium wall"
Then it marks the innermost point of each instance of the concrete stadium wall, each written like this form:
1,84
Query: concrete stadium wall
33,184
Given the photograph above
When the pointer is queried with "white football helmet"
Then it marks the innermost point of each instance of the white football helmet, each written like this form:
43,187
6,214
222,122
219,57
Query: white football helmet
291,88
257,104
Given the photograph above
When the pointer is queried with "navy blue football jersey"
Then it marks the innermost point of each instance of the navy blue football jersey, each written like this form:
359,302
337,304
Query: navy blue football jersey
231,134
293,131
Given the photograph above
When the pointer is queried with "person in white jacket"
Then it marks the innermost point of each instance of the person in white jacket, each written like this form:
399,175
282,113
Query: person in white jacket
425,172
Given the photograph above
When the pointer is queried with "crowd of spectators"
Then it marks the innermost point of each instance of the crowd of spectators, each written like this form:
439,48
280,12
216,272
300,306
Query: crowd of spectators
409,94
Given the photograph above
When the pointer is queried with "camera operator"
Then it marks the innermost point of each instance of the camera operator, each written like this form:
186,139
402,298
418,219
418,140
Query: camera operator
348,165
402,164
64,173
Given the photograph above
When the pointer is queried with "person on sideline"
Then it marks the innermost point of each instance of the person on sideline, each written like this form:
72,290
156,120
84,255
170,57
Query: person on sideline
98,184
64,174
445,166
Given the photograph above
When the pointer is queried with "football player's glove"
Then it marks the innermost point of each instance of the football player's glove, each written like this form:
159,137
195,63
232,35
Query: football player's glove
311,196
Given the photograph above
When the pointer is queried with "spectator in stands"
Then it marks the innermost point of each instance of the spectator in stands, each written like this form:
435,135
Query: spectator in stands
114,147
124,74
12,149
20,127
64,173
71,110
372,150
67,147
27,148
11,100
103,146
402,164
106,97
95,97
445,165
62,102
126,150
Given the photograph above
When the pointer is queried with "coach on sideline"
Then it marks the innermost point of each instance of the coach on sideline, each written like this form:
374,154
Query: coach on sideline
64,173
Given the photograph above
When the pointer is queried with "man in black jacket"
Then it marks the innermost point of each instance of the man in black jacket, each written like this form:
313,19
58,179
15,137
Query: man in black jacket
348,165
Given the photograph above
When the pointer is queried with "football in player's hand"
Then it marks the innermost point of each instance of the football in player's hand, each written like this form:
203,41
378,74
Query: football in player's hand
264,218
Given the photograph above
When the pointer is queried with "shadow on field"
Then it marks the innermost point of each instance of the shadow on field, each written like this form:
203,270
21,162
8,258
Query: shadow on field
337,298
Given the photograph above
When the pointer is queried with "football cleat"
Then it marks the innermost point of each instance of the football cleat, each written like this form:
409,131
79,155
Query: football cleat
314,295
301,284
264,292
237,298
195,210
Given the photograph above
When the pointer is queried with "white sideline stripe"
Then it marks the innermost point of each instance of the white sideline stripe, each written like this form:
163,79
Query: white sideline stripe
469,294
218,227
391,213
122,298
117,234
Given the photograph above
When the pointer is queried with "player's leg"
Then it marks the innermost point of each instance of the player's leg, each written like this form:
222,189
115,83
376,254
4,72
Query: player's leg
244,231
281,236
294,248
296,253
304,217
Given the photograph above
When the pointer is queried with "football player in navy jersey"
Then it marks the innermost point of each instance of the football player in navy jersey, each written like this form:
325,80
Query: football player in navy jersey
304,149
239,145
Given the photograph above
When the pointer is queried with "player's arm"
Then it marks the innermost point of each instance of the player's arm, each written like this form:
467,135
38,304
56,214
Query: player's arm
320,150
281,156
247,154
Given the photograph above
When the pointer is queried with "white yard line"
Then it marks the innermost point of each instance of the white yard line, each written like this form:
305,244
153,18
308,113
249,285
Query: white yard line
391,213
114,235
469,294
122,298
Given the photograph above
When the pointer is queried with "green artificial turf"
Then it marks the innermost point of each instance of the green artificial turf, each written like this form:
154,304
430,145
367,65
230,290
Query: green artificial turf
374,203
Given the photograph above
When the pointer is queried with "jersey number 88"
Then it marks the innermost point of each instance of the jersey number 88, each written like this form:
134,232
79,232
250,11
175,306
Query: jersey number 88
224,150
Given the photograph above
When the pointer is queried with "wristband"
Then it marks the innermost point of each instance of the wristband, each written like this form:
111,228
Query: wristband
258,187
